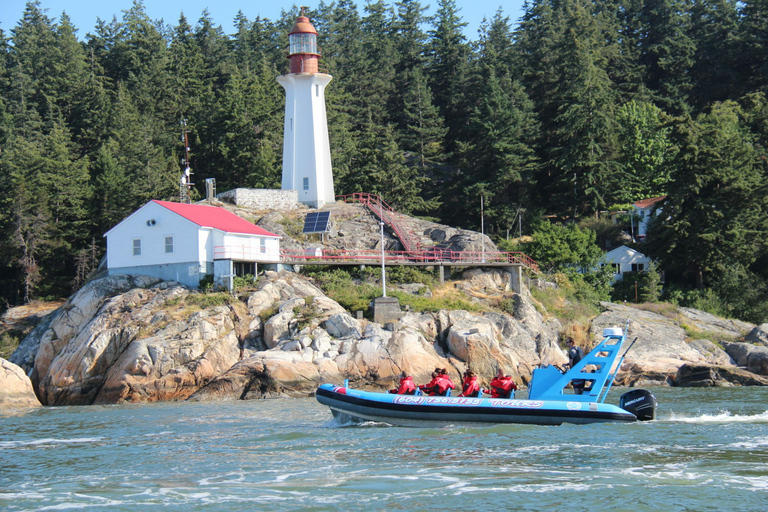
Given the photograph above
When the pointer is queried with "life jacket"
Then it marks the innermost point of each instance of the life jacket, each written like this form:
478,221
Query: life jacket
497,387
509,386
444,383
431,387
407,387
470,387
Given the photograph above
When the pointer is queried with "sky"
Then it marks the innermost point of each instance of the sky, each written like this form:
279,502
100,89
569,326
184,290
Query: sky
84,13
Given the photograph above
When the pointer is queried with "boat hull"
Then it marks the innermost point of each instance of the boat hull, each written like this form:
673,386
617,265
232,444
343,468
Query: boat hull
408,410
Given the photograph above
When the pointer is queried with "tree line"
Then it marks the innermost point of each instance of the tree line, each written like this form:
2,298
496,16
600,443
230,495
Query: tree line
577,108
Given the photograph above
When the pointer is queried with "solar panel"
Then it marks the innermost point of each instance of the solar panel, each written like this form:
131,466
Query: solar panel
316,222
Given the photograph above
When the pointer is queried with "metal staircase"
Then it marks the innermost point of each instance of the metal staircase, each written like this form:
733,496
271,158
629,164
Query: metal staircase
390,217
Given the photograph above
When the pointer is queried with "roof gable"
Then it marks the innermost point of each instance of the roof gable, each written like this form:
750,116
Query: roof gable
623,253
215,217
645,203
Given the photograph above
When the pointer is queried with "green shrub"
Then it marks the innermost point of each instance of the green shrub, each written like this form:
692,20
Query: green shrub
248,281
206,283
9,341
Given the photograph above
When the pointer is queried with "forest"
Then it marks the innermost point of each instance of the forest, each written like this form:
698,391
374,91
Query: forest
557,119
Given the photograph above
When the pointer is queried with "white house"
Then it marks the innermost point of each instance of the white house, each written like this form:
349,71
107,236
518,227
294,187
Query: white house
625,260
185,242
644,210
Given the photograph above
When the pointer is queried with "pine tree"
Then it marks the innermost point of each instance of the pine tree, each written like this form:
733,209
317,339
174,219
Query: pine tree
667,53
715,30
753,55
448,55
705,226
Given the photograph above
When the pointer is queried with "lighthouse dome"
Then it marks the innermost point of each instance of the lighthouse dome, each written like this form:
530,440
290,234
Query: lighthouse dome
302,26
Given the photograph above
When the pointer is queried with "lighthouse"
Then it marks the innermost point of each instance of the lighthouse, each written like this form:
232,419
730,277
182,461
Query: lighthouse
306,150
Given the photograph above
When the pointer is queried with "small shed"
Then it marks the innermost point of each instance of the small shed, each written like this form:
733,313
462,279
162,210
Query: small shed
625,260
187,242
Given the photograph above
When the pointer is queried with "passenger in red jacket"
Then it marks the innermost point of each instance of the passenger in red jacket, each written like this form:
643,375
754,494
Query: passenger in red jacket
470,387
406,387
444,382
430,388
502,386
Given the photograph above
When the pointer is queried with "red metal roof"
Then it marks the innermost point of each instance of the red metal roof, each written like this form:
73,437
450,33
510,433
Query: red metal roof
645,203
215,217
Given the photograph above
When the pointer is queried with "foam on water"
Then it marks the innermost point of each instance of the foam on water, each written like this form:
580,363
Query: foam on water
50,441
724,416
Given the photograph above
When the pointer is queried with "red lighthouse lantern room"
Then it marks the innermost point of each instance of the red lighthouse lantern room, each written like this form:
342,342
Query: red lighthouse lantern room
303,51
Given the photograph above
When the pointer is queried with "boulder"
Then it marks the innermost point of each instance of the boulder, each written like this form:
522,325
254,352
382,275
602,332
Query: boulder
712,353
342,325
16,390
758,335
716,376
742,353
660,348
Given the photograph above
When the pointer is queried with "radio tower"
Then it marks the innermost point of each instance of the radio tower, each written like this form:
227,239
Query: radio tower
185,183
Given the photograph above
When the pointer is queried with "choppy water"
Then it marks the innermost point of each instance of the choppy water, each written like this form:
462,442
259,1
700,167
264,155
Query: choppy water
707,451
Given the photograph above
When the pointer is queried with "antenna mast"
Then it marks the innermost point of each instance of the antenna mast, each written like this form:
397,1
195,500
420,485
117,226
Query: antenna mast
185,183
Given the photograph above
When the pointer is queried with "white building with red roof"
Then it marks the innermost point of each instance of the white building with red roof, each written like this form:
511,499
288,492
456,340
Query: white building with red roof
644,210
186,242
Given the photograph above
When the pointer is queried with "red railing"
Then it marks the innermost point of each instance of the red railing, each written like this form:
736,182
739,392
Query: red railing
389,216
429,256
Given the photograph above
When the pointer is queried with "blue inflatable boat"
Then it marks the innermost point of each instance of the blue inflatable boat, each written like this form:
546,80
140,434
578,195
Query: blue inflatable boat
550,401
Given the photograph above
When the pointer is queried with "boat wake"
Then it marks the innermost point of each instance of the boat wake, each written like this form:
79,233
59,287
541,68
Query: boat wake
341,420
724,416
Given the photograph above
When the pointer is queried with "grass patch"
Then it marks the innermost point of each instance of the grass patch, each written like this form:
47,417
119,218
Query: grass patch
9,342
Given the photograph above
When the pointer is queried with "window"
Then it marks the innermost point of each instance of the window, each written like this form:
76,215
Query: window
616,268
303,43
317,90
137,247
306,183
168,244
638,267
263,245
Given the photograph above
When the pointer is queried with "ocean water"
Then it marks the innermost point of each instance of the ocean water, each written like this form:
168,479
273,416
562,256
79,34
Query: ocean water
708,450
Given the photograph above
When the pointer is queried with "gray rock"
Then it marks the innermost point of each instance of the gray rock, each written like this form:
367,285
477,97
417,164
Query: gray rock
716,376
758,335
712,353
342,325
707,322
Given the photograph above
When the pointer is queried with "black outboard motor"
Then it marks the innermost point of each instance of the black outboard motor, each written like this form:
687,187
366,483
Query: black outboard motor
639,402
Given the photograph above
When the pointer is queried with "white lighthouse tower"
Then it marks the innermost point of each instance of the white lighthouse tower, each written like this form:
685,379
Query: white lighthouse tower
306,150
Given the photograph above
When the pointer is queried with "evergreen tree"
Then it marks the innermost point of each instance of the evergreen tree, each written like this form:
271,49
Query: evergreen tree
715,30
448,55
582,144
753,54
705,226
383,171
667,52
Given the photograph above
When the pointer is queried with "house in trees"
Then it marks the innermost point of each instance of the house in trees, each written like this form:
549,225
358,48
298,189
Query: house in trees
187,242
643,211
625,260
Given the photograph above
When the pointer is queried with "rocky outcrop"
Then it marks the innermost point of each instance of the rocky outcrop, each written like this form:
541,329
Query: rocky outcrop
753,357
125,339
16,390
128,339
712,353
698,376
660,348
758,335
